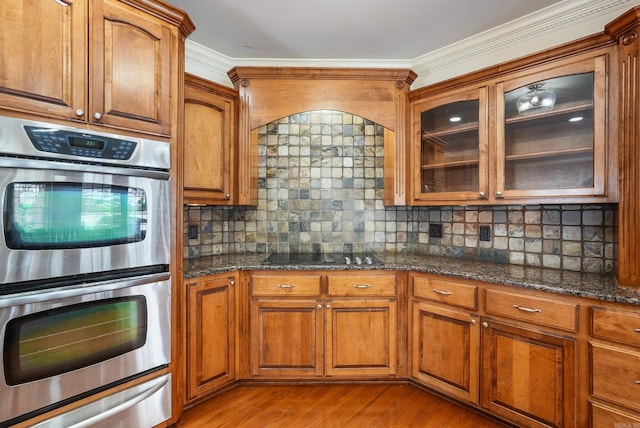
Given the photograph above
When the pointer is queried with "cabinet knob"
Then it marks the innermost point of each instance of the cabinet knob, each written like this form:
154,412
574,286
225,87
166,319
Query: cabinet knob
498,193
328,306
319,306
482,194
232,282
79,112
473,322
97,116
485,324
228,196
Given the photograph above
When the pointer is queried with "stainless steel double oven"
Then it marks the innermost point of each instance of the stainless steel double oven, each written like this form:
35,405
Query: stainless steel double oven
85,287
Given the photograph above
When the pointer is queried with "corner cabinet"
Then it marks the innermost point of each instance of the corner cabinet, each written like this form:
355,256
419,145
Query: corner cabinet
123,77
532,136
209,142
211,334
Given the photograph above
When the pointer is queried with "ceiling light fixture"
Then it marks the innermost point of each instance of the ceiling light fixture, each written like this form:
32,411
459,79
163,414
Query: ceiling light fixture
537,100
455,119
576,119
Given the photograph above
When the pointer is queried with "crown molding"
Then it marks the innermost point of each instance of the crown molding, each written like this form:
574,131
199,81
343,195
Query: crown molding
563,22
552,26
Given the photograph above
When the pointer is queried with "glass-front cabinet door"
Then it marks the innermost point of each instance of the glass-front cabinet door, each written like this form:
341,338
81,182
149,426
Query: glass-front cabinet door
551,133
450,163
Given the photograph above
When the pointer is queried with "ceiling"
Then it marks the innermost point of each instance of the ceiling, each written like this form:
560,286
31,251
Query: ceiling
345,29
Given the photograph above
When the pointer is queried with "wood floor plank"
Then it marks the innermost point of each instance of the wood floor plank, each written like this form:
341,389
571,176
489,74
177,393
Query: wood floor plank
323,406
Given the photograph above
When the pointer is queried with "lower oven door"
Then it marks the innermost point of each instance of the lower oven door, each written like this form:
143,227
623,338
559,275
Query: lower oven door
66,344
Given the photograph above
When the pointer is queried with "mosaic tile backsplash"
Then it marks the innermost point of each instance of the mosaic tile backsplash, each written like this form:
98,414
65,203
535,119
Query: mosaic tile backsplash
320,188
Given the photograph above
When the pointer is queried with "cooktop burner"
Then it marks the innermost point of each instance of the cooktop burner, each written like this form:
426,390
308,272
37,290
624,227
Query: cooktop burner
320,259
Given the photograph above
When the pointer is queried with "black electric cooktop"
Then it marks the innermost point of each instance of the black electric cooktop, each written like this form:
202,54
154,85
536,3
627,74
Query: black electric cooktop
321,259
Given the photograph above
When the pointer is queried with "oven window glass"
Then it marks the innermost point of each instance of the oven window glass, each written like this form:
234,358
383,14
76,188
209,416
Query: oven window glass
60,340
41,216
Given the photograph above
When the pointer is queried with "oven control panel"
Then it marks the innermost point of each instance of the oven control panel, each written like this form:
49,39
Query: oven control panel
79,144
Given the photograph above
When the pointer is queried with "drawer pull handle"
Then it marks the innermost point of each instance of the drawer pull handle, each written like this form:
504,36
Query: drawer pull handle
638,382
286,285
522,308
444,293
361,286
637,330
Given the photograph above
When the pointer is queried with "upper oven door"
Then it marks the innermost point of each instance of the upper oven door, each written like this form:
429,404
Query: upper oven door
64,219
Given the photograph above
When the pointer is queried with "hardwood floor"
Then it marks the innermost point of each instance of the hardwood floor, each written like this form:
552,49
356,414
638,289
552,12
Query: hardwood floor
352,405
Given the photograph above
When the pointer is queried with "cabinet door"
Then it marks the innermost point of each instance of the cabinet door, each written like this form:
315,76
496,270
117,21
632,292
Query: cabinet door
361,338
131,62
552,132
528,376
42,60
445,346
287,338
450,149
211,335
208,148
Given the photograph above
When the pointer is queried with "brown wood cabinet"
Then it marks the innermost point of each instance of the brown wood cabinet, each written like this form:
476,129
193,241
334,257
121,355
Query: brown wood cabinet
489,143
495,355
614,365
122,78
299,330
528,375
209,142
445,336
211,334
446,350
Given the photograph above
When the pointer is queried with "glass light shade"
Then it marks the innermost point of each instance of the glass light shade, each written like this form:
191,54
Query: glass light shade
537,100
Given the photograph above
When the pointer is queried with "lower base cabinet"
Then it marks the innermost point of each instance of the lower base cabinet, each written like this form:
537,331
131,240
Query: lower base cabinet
445,350
527,357
300,330
287,338
508,365
210,334
528,376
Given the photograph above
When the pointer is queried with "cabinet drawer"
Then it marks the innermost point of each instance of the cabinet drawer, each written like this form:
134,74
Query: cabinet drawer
615,375
380,284
285,284
442,290
619,326
605,416
533,309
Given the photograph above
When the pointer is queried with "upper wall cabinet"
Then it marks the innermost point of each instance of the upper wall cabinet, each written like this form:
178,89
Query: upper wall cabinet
451,160
538,135
209,142
550,133
105,63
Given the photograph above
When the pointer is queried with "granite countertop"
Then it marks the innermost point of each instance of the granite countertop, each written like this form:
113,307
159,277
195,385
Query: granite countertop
590,285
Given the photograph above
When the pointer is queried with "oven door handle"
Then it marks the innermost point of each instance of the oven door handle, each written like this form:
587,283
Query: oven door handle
79,290
93,413
78,167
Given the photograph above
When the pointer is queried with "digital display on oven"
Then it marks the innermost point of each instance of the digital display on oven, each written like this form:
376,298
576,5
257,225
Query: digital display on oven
86,143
